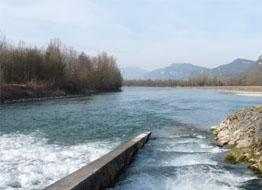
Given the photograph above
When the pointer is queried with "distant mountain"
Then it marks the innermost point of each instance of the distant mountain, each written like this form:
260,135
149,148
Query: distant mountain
253,75
181,71
131,73
178,71
236,67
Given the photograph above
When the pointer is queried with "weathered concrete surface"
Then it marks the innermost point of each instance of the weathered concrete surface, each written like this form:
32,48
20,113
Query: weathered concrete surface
103,172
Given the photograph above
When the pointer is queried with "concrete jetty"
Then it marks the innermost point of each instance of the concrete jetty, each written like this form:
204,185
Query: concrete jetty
103,172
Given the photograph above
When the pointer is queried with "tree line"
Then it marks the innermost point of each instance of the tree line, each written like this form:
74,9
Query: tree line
251,77
58,66
203,80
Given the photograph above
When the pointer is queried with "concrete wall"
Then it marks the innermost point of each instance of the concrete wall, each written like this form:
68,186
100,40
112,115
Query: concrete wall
103,172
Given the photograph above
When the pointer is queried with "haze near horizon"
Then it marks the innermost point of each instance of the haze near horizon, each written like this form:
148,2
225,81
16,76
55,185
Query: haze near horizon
147,34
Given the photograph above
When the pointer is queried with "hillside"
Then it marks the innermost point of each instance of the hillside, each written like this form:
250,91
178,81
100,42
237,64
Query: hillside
179,71
183,71
235,67
251,76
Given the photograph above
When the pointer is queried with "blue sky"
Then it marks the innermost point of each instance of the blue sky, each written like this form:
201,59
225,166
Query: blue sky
144,33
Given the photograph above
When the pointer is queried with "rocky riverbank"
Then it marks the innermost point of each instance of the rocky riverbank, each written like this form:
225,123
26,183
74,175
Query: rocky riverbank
242,133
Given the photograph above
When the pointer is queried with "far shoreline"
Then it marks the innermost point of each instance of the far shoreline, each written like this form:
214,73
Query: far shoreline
232,89
23,93
236,88
61,97
252,91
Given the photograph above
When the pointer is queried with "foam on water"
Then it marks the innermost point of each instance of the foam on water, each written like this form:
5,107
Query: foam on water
183,179
189,159
181,153
187,145
29,162
201,177
186,163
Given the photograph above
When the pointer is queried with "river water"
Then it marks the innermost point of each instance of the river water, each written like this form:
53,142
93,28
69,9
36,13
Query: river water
40,142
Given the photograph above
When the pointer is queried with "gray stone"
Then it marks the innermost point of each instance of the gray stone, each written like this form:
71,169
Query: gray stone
242,132
103,172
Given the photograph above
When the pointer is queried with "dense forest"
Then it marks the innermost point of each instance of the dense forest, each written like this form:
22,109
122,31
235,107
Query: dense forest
56,67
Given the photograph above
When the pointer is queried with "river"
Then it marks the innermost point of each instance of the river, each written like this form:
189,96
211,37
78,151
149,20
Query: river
41,142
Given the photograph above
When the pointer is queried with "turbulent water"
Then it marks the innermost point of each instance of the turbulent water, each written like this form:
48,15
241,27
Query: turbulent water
41,142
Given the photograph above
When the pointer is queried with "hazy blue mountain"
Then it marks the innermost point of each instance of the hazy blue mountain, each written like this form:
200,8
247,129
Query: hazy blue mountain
236,67
181,71
131,73
178,71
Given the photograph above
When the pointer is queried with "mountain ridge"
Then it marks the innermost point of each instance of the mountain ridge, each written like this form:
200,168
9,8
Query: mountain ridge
182,71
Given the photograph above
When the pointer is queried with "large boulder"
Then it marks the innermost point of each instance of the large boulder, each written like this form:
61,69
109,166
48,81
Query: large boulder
242,133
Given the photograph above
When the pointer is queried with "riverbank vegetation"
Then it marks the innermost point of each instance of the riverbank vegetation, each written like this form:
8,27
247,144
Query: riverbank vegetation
27,71
252,78
203,80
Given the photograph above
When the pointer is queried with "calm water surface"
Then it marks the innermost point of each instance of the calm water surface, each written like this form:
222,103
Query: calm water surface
41,142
